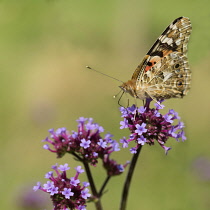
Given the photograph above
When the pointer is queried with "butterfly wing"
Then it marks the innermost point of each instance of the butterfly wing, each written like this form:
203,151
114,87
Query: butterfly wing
157,69
171,79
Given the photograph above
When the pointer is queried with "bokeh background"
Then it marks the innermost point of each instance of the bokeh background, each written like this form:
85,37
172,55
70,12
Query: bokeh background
44,48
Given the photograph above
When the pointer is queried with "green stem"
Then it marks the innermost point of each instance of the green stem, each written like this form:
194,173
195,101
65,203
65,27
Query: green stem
92,186
104,185
128,179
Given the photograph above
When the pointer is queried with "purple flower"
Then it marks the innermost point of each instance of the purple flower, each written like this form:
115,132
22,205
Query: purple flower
156,113
67,193
115,146
60,131
141,109
120,168
81,120
91,126
133,150
85,193
108,137
64,167
124,111
46,146
181,135
48,175
159,105
102,143
95,154
86,184
48,185
74,181
176,116
181,125
80,207
37,187
54,167
100,129
79,169
124,142
141,140
140,129
53,190
85,144
168,118
132,109
124,124
166,149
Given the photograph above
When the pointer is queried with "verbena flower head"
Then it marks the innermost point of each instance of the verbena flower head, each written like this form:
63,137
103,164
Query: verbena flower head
86,143
66,193
112,167
148,125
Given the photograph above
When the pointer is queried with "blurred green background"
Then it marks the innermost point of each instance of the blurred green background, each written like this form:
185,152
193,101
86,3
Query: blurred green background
44,48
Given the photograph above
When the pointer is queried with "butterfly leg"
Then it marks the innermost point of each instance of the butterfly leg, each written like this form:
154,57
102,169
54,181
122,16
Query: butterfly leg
143,102
128,103
120,99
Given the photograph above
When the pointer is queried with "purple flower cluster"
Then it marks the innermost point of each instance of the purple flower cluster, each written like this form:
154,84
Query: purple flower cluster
148,125
65,193
86,144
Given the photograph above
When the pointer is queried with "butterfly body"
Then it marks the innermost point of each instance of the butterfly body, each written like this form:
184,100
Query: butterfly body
164,72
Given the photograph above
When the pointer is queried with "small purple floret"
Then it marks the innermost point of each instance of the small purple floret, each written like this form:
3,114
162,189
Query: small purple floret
102,143
124,142
64,167
79,169
85,144
67,193
124,124
74,181
140,129
85,193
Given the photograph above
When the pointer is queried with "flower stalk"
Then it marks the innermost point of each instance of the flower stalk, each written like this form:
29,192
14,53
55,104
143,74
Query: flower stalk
127,183
96,196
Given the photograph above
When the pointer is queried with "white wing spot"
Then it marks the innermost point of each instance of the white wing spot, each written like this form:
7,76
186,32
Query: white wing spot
178,41
166,75
173,55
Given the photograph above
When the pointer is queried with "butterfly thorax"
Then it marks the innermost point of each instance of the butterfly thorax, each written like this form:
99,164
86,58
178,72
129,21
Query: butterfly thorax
131,88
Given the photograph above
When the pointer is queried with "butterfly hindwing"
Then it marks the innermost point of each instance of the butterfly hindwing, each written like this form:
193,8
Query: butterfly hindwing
172,80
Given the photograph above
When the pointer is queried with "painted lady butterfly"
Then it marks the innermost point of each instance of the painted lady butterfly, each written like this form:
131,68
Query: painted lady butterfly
164,72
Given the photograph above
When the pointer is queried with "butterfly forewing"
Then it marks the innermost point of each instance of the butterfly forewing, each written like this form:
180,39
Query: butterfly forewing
164,71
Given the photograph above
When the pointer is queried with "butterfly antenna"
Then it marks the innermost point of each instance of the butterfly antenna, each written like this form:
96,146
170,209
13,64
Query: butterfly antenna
115,96
104,74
